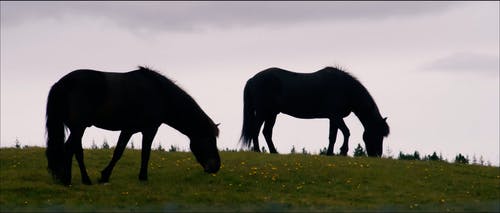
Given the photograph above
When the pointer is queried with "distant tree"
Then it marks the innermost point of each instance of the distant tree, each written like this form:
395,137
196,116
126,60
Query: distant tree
132,145
230,150
432,157
18,144
388,152
173,148
359,151
461,159
160,148
293,150
322,151
105,144
264,149
93,146
441,157
414,156
304,151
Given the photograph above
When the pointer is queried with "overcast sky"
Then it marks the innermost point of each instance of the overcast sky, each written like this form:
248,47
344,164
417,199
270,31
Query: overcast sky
432,67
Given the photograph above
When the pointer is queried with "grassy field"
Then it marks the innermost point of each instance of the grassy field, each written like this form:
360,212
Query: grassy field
249,181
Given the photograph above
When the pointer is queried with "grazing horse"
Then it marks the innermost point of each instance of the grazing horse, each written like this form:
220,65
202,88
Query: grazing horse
328,93
136,101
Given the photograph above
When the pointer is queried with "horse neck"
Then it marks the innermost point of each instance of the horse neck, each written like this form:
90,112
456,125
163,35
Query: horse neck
366,109
187,117
369,117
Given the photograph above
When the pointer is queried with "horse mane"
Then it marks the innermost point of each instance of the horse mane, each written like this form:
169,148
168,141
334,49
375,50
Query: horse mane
168,82
384,130
341,71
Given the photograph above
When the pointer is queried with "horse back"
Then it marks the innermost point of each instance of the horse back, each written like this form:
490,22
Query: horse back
111,101
324,93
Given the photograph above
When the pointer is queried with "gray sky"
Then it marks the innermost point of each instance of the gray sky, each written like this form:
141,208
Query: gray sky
432,67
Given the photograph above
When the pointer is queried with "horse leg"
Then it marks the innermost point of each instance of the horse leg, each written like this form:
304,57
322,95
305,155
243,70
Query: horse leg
147,140
268,132
332,137
345,131
117,154
258,125
79,156
69,150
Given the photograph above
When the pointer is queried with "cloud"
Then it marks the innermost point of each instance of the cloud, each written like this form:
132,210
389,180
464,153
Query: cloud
466,62
169,16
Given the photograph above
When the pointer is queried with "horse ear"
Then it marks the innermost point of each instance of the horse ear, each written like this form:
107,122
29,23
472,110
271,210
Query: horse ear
217,125
385,119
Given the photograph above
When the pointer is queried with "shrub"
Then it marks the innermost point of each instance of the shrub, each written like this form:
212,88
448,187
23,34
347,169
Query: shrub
414,156
461,159
322,151
433,157
132,145
18,144
173,148
105,144
304,151
160,148
94,146
359,151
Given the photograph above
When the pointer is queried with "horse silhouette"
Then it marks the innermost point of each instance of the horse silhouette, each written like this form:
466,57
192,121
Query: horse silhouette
328,93
136,101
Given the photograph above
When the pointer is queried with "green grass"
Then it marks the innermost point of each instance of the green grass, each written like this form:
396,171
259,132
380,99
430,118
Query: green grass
249,181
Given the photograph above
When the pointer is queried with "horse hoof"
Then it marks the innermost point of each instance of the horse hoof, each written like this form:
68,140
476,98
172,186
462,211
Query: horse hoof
87,182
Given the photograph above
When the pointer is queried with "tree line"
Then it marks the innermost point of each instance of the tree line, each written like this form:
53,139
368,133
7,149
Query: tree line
358,152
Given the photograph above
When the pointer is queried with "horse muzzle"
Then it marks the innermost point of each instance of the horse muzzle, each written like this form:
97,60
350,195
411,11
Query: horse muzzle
212,166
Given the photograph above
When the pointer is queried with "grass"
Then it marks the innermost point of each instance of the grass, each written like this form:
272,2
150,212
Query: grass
249,181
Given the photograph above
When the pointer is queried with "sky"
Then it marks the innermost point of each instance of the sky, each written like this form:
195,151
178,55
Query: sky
432,67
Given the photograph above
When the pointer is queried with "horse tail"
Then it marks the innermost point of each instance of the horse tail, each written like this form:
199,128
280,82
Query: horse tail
55,131
249,120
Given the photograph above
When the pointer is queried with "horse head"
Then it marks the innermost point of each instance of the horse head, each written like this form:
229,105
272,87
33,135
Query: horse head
205,150
374,136
206,153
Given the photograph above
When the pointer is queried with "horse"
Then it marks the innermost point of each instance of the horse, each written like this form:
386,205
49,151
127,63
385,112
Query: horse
131,102
328,93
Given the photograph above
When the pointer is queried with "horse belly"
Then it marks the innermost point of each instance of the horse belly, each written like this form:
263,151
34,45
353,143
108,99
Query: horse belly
119,118
309,108
305,110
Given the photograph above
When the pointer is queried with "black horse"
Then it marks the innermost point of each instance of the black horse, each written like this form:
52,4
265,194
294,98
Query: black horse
136,101
328,93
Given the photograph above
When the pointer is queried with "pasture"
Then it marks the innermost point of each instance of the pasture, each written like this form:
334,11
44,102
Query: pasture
248,181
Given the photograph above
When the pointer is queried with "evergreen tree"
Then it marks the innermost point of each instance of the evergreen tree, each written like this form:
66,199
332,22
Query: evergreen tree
461,159
93,146
433,157
304,151
173,148
359,151
322,151
160,148
18,144
416,155
105,144
264,149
